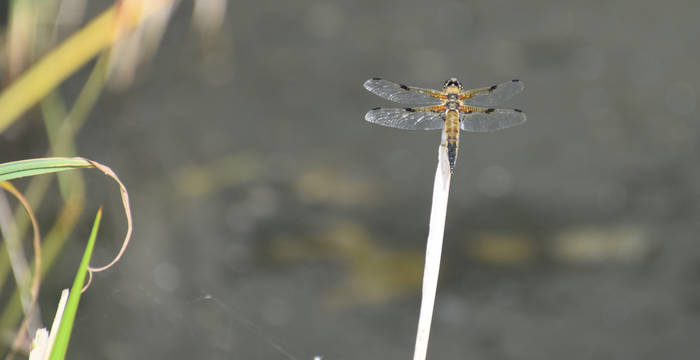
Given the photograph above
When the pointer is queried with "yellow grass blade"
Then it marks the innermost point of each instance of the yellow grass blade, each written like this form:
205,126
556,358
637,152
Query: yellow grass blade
68,57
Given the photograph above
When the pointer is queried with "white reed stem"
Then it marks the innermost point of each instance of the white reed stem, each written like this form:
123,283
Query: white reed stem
433,251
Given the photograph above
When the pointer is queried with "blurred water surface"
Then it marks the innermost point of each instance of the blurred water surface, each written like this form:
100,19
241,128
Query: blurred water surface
273,222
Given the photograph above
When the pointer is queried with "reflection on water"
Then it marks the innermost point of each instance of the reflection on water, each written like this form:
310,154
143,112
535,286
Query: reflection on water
373,273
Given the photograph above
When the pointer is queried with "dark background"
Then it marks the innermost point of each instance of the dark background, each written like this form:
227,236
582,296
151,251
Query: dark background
273,222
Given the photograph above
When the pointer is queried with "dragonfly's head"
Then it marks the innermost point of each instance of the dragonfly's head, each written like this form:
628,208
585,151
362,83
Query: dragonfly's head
452,82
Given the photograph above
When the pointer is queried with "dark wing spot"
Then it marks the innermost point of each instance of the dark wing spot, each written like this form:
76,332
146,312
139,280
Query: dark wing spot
469,112
517,110
410,109
492,88
376,78
377,108
516,80
403,86
489,110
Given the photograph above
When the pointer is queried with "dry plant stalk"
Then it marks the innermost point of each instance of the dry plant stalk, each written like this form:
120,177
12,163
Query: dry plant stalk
433,251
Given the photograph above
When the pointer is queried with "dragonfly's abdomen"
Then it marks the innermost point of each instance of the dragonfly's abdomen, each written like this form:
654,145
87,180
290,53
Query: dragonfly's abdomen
452,134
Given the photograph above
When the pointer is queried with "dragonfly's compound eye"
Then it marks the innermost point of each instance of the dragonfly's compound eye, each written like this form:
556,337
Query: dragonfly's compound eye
453,82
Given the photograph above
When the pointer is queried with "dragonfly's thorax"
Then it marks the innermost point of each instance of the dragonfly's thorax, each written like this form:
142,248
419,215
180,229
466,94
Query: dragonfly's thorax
453,90
452,98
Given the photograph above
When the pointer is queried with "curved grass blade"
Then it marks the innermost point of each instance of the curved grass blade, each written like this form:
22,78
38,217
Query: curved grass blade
53,242
33,292
22,168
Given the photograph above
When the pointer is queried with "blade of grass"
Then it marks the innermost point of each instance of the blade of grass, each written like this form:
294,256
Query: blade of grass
33,292
90,93
63,336
62,139
34,193
62,126
17,169
69,56
22,168
18,258
433,251
62,143
54,241
55,67
55,115
69,215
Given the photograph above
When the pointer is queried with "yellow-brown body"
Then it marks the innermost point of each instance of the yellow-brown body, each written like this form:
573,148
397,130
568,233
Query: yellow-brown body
452,136
452,91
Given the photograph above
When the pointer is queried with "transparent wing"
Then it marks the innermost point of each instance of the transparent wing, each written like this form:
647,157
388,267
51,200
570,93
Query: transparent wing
402,94
408,119
490,119
492,95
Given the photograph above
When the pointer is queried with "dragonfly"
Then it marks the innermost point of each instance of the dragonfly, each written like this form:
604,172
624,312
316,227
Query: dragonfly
451,110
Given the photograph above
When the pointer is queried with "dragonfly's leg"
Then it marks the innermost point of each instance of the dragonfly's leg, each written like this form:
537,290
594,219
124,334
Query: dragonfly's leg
434,93
470,109
435,108
470,93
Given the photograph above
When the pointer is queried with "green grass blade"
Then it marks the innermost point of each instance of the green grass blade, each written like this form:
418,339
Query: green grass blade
22,168
61,344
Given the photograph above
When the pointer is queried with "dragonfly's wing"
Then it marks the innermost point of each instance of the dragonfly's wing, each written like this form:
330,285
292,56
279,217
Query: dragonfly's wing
492,95
484,120
408,119
403,94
